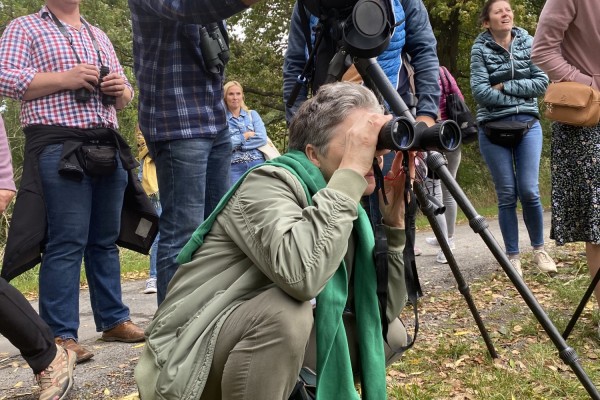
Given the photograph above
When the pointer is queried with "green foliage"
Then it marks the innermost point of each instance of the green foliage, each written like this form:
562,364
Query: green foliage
258,44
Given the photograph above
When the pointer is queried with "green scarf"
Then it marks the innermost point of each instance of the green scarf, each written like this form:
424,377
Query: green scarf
334,371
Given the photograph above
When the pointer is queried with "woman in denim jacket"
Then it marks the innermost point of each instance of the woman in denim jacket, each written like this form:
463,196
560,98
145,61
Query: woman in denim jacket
247,131
505,85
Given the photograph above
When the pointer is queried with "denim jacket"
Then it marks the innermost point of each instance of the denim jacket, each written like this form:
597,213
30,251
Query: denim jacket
242,148
418,41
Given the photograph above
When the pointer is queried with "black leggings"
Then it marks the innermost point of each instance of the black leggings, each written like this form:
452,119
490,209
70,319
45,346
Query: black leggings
24,328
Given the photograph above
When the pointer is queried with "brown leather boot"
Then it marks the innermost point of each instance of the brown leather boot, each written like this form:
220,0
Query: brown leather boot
83,354
127,332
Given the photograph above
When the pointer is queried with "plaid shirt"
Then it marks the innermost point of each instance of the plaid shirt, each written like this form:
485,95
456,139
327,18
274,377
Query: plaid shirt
178,98
33,44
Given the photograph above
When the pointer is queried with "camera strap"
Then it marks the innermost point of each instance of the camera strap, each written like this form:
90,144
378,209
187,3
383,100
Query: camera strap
66,34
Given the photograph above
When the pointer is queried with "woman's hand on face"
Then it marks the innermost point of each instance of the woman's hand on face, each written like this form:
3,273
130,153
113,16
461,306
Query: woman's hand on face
393,212
361,142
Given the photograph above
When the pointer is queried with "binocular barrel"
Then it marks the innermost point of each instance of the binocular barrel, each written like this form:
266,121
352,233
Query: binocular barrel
402,134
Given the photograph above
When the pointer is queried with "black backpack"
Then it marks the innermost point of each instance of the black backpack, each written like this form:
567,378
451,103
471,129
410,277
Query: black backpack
458,111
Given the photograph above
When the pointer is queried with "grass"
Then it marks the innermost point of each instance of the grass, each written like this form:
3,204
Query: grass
450,359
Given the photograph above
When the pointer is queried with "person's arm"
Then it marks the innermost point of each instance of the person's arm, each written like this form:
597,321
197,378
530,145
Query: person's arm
260,133
7,184
297,246
293,64
192,11
19,81
421,46
555,18
533,86
483,92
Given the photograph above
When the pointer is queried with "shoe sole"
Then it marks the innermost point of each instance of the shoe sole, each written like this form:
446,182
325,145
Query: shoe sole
149,291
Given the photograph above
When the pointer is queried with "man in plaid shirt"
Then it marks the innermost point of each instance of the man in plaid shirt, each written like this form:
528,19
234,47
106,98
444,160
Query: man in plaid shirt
51,62
182,116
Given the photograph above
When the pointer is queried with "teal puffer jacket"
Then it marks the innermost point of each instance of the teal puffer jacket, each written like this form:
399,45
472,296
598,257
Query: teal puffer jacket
523,81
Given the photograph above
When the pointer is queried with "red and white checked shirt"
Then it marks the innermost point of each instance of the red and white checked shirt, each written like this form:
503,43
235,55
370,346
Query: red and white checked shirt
33,44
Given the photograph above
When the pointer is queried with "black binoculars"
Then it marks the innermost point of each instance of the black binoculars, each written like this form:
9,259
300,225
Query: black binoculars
82,95
402,134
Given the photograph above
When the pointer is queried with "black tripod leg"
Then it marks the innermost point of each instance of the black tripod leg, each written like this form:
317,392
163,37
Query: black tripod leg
436,162
463,288
580,307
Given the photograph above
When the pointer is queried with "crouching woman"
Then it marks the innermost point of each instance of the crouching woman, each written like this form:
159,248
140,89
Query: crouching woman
237,317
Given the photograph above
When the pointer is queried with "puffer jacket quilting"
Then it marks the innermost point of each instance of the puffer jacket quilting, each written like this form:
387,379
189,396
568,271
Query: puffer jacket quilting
523,81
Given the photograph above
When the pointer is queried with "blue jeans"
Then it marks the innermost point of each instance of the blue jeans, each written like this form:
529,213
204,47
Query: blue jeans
154,249
193,175
515,173
239,169
84,219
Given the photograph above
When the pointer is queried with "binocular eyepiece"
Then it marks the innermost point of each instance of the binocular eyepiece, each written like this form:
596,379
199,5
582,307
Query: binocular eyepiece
402,134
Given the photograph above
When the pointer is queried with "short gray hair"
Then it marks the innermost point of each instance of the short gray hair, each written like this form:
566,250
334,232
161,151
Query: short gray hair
316,119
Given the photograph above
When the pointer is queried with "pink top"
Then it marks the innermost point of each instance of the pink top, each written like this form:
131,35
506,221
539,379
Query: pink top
567,41
448,86
6,171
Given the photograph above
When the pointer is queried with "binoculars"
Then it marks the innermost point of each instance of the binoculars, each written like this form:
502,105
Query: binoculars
402,134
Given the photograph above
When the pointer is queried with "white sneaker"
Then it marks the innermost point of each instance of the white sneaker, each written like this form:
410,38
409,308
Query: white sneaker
544,262
441,258
150,286
432,241
516,263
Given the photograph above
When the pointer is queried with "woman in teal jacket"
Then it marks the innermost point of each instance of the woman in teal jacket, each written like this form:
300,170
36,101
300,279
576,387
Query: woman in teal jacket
505,85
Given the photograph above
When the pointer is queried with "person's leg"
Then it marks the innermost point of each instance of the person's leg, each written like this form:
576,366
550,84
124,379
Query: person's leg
102,264
154,249
68,208
24,328
527,167
434,188
182,172
592,252
239,169
499,160
260,348
217,171
453,158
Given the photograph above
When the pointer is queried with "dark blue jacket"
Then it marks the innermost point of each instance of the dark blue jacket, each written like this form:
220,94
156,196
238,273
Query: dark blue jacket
523,81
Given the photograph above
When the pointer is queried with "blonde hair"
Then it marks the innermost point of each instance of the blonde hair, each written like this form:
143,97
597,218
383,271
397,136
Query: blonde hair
229,85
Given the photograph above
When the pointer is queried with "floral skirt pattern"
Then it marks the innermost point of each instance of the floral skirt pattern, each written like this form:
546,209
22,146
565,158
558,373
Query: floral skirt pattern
575,163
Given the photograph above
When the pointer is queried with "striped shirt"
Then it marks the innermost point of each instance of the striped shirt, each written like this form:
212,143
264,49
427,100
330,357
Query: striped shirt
178,98
33,44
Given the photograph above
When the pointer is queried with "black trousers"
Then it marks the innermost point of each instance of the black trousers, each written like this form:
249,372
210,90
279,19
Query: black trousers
24,328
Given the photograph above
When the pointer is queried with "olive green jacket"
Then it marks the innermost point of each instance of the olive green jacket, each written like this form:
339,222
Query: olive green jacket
266,235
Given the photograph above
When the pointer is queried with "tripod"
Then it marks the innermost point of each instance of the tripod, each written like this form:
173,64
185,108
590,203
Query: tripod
377,80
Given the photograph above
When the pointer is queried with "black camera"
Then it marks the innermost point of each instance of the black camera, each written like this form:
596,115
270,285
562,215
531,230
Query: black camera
82,95
215,51
402,134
